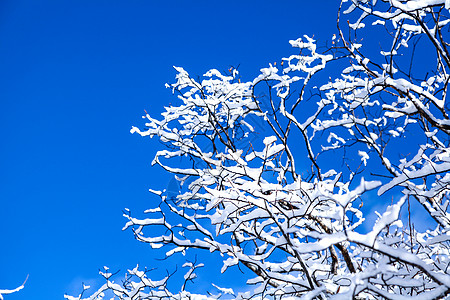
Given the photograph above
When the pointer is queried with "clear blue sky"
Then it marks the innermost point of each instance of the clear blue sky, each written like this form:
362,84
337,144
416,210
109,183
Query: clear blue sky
74,77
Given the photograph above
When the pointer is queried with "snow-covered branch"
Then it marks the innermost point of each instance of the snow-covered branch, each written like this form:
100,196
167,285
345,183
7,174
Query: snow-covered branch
288,189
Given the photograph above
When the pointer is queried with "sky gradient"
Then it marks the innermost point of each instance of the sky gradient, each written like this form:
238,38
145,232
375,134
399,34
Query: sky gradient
75,76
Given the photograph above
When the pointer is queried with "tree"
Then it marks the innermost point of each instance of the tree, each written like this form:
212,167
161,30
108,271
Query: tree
281,174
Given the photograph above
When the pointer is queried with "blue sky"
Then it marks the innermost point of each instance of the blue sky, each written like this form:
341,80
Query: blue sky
75,76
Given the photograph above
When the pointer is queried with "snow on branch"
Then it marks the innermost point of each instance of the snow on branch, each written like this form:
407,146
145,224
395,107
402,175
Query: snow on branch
286,188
